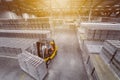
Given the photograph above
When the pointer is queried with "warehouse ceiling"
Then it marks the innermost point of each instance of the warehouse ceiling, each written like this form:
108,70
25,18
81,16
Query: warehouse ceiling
104,8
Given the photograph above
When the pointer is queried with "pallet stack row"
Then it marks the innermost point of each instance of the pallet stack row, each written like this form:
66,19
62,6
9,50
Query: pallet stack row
16,42
8,51
32,65
111,54
25,33
31,24
14,46
101,31
91,38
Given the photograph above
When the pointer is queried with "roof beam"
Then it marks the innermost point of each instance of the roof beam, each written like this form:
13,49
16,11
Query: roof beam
100,2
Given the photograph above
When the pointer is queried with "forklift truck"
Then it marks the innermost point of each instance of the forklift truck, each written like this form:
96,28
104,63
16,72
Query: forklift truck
46,49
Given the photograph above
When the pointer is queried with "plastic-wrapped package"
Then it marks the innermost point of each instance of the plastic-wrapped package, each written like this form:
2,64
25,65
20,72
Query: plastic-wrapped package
111,52
33,65
101,31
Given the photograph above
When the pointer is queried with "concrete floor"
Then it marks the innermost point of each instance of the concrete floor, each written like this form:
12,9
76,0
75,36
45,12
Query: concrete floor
10,70
67,65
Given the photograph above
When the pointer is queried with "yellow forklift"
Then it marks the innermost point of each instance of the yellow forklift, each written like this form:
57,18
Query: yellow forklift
46,49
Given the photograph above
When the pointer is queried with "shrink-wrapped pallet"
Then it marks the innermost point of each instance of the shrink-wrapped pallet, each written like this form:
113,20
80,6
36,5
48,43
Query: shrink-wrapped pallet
17,24
111,53
24,33
110,47
94,49
33,65
8,51
101,31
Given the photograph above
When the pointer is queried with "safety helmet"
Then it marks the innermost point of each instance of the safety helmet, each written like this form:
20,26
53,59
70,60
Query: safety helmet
51,42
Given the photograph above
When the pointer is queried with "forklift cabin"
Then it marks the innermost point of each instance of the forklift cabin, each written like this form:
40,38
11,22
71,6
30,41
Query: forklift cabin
46,49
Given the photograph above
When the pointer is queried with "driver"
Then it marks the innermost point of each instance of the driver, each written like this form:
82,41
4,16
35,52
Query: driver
50,48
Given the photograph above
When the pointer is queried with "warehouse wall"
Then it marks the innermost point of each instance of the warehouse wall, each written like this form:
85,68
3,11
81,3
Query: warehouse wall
8,15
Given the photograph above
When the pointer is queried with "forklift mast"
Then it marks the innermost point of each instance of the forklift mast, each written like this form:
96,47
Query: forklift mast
38,48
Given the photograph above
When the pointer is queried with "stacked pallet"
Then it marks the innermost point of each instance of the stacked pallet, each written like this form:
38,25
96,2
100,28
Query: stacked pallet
25,33
11,23
98,69
38,23
93,49
16,42
14,46
33,65
101,31
22,24
111,53
8,51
